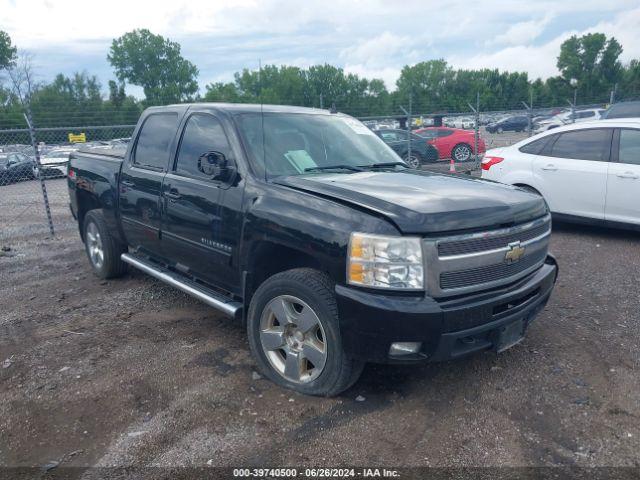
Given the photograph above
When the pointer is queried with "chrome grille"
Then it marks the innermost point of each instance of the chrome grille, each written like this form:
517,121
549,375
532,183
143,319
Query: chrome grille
489,273
473,262
459,247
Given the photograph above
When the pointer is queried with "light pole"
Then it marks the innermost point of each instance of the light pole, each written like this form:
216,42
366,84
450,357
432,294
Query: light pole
574,83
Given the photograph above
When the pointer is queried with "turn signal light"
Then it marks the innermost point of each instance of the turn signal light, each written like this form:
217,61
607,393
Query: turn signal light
488,162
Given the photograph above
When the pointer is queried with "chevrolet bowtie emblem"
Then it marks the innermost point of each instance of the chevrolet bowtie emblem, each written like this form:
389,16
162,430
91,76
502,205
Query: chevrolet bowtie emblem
514,253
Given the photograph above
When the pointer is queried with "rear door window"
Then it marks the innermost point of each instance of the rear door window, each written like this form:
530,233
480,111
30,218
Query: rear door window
590,144
629,146
535,147
389,136
154,141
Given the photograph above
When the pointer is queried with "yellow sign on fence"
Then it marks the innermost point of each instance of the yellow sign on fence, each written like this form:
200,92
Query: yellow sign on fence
77,138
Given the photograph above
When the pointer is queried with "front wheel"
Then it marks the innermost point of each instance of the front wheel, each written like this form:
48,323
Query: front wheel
500,130
294,334
412,160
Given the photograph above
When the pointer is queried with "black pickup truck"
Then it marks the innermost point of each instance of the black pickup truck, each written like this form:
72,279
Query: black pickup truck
309,229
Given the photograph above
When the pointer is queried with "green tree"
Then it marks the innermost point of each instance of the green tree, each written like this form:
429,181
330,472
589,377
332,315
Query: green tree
593,60
155,64
8,51
630,85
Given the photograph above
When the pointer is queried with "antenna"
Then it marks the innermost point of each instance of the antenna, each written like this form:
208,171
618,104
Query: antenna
264,154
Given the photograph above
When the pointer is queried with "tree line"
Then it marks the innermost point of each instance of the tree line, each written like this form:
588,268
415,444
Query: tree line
589,65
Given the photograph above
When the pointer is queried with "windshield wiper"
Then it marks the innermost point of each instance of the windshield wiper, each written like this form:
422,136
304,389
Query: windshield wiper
333,167
383,165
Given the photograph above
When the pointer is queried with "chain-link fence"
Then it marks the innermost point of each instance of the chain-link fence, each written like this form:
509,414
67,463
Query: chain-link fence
33,188
460,139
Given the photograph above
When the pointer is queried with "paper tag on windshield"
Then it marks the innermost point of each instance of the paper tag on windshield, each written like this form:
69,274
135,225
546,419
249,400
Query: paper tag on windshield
357,126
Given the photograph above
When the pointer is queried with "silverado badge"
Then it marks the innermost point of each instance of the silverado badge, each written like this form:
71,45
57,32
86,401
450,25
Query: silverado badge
514,253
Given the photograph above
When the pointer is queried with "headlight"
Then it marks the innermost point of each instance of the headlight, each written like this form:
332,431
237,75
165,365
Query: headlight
385,262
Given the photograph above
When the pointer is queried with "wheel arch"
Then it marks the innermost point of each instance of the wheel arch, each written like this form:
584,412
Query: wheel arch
268,258
86,203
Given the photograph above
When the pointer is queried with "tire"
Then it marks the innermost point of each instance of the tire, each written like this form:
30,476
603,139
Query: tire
103,250
414,161
284,306
500,130
461,152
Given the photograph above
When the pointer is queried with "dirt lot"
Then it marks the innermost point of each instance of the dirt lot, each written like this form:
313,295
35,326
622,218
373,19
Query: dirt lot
131,372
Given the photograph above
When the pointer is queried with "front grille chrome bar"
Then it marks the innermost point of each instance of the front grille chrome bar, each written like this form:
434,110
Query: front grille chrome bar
474,262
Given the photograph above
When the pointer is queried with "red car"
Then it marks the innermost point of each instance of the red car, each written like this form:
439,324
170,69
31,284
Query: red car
452,142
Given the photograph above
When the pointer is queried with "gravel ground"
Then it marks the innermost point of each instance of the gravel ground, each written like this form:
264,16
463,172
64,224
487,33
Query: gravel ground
131,372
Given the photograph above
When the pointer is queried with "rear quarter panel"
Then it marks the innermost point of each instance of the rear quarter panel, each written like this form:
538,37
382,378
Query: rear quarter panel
515,169
95,186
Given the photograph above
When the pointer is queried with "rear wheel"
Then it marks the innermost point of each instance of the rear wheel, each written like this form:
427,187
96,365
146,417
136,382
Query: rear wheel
413,160
102,248
294,334
461,152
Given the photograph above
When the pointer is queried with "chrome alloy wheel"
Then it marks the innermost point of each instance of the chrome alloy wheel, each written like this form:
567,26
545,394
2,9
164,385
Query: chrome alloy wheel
94,246
293,340
462,153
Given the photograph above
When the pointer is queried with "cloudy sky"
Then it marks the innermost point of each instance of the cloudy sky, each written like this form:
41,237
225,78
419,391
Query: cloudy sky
372,38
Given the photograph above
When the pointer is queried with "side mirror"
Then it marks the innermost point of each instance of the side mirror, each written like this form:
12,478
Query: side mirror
215,165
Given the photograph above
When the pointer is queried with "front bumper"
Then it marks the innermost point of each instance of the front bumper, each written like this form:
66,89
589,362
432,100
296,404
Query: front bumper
448,329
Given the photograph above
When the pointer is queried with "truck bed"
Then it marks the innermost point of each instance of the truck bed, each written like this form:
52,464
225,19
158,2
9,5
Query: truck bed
115,152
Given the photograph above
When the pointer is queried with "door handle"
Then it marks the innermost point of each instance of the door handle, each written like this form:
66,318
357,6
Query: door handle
627,175
551,167
127,183
173,194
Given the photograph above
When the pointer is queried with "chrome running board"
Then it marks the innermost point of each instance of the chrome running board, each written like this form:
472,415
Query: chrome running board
214,299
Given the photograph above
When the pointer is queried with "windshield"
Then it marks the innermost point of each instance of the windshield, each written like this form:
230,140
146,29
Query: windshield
301,144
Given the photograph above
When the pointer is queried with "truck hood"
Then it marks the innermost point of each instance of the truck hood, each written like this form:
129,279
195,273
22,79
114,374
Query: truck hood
424,202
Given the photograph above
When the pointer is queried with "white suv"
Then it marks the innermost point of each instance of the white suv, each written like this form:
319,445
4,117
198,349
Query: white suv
587,171
579,116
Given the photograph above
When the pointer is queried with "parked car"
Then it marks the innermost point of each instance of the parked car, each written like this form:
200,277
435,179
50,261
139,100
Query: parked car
54,163
421,152
566,118
15,166
622,110
586,172
304,226
516,123
452,142
464,123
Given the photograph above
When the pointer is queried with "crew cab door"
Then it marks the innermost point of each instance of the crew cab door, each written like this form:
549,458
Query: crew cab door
141,178
198,234
623,179
571,172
